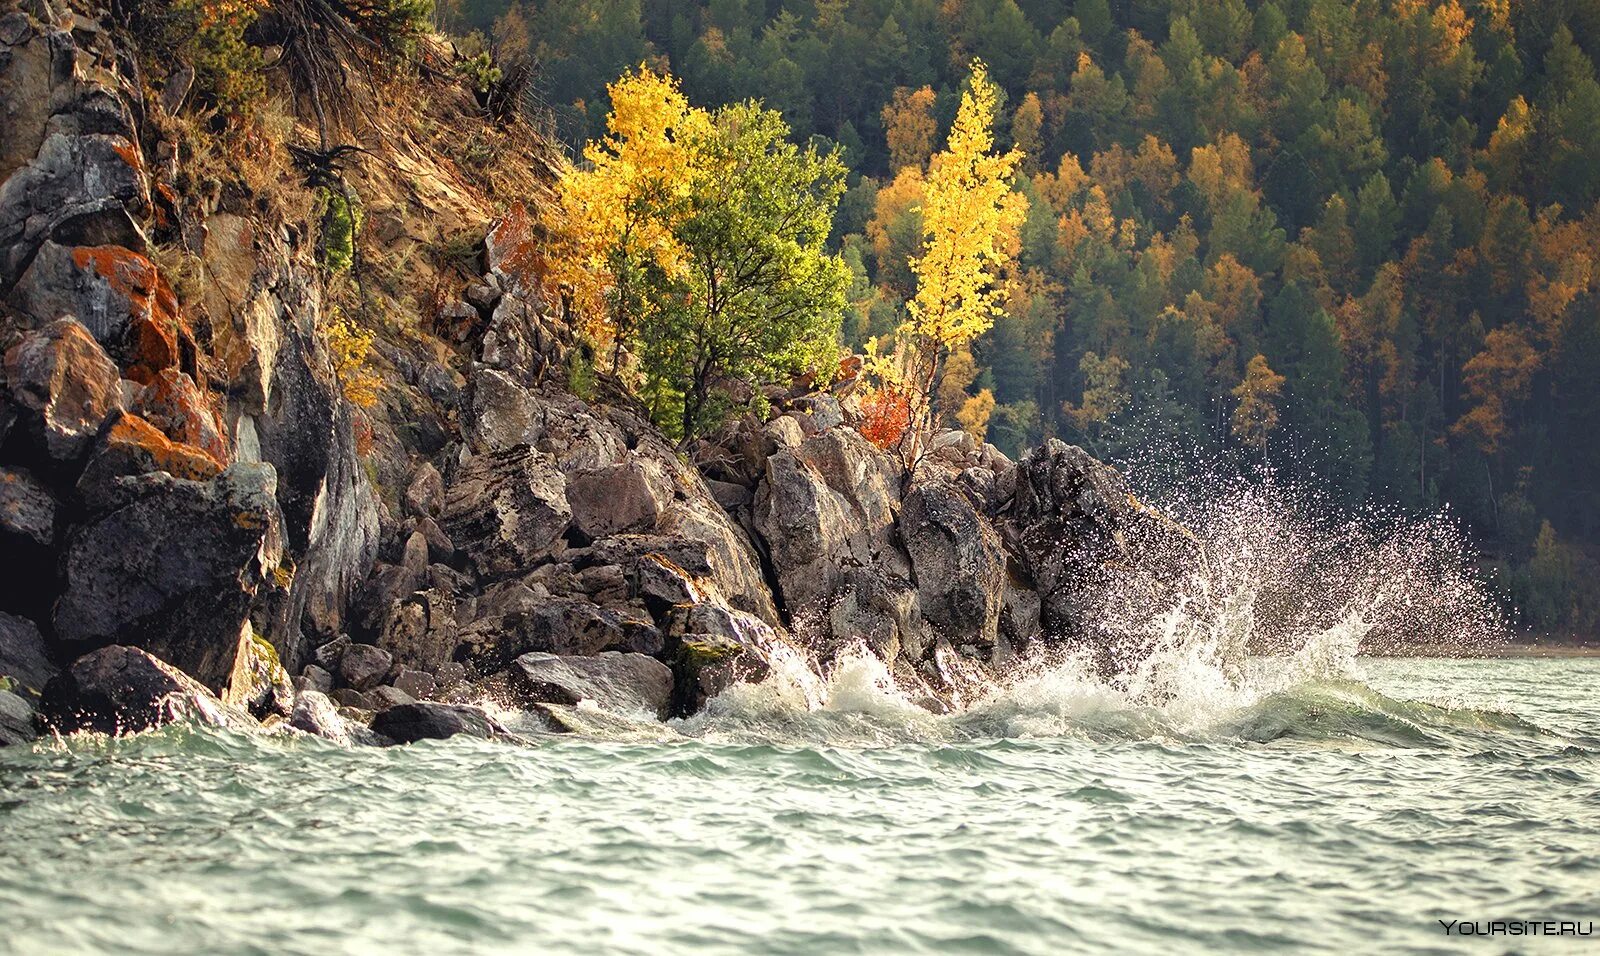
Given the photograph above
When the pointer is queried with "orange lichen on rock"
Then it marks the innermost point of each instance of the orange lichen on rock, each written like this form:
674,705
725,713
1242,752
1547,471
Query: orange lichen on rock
139,447
155,319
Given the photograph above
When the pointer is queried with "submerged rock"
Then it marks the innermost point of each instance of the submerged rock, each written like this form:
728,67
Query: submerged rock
123,690
431,720
618,682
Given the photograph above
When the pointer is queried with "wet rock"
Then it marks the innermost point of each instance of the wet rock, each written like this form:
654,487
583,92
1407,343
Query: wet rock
316,714
880,610
506,510
16,720
958,563
259,683
364,666
1071,522
123,690
22,655
419,684
430,720
620,683
64,385
176,571
352,699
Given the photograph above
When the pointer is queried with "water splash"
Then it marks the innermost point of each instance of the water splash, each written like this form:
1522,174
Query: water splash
1269,613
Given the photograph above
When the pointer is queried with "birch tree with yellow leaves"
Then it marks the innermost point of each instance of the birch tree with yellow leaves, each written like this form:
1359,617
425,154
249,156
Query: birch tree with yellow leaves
618,212
971,216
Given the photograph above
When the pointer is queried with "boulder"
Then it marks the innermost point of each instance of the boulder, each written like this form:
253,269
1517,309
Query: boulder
118,294
506,510
389,696
79,190
631,495
825,507
958,562
259,683
1071,522
175,572
419,684
421,631
174,403
133,447
430,720
424,495
516,619
314,713
65,386
364,666
22,655
314,678
16,720
27,512
620,683
123,690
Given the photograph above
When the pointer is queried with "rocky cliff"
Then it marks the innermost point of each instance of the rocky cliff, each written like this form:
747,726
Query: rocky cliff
198,520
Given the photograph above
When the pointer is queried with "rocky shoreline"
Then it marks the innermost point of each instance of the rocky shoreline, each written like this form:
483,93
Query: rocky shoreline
198,523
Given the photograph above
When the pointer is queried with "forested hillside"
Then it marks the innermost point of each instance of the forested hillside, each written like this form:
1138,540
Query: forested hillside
1354,241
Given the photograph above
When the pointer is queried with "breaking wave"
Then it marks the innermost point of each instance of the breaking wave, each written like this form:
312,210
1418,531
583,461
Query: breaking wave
1256,641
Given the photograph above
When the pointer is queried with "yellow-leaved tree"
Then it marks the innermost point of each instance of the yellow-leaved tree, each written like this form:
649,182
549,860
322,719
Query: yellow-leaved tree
618,210
971,216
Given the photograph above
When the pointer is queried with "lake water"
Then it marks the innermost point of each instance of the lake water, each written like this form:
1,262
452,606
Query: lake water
1336,812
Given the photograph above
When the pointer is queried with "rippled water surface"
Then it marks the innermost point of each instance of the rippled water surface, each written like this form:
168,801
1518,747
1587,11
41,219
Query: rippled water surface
1338,815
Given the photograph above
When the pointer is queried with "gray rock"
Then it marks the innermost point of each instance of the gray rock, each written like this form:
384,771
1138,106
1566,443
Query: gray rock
425,493
430,720
82,189
620,683
16,720
826,412
958,561
314,713
389,696
353,699
631,495
123,690
65,385
364,666
22,655
440,548
176,571
314,678
421,631
506,510
27,510
419,684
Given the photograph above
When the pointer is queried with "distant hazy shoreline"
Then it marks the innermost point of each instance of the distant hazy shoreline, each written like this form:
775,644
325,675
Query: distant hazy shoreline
1514,649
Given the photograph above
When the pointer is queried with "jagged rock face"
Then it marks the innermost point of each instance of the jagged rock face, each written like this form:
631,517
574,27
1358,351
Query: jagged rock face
175,571
123,690
1071,521
958,562
507,510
